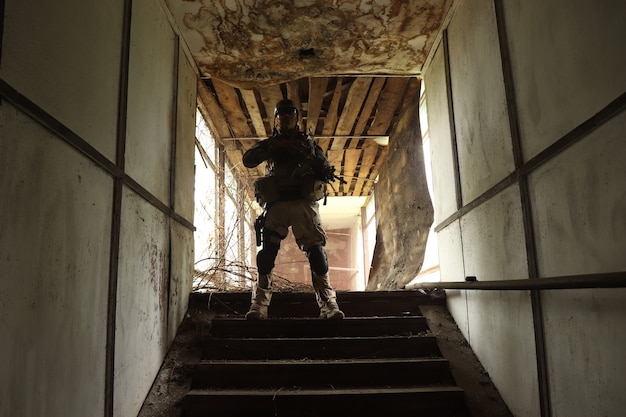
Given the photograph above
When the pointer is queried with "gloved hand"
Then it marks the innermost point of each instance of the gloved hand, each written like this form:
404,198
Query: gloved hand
284,150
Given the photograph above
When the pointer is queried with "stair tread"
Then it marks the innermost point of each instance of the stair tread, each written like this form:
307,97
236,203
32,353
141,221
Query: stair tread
321,347
323,338
322,391
237,320
304,362
340,373
310,327
383,296
382,358
302,304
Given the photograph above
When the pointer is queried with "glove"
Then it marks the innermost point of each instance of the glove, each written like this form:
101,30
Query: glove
281,150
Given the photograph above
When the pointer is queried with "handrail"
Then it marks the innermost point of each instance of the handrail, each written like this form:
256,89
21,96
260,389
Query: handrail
607,280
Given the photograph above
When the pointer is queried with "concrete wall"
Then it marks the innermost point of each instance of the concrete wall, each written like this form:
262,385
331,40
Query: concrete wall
96,245
513,91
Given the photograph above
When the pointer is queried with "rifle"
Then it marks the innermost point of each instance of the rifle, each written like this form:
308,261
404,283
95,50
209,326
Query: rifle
330,176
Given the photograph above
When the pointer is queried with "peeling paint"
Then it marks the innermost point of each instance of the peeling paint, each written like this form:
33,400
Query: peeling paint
256,43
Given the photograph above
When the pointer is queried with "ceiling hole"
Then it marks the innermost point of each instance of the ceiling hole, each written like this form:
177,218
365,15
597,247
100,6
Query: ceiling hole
307,53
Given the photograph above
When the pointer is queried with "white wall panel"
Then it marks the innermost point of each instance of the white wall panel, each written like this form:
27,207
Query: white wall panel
452,269
181,276
493,239
585,339
65,57
150,98
501,323
568,62
480,109
54,250
442,159
579,205
502,336
141,330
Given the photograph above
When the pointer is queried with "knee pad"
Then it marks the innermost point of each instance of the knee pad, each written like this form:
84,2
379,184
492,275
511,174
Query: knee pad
266,257
317,260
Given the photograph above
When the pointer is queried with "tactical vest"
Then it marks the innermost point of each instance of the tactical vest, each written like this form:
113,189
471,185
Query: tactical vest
273,188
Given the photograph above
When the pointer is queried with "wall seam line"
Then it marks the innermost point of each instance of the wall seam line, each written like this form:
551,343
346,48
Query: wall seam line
45,120
173,146
543,380
451,120
580,132
116,217
2,18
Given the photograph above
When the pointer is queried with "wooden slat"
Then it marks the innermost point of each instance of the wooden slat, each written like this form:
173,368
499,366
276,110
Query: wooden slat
369,101
370,150
380,159
293,94
317,88
270,96
330,122
249,97
390,99
368,107
351,109
215,117
335,157
351,161
234,113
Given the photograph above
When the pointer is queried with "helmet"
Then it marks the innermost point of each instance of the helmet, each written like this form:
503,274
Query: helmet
285,117
285,106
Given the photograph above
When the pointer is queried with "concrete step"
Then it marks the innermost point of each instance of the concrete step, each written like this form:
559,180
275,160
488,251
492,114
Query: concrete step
303,304
320,348
314,327
444,401
380,360
320,374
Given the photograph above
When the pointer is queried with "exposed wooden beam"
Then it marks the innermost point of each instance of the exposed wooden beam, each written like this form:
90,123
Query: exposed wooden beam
213,113
234,113
249,97
390,98
368,107
317,88
270,96
351,109
330,122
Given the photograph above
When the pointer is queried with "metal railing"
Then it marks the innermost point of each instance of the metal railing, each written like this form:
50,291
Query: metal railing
607,280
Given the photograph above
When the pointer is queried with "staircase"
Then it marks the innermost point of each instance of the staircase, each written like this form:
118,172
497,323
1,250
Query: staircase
381,360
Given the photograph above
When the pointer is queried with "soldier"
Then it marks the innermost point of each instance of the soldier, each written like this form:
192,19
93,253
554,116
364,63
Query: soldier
297,179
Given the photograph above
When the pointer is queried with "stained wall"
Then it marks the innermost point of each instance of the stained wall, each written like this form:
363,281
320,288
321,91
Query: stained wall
526,121
97,113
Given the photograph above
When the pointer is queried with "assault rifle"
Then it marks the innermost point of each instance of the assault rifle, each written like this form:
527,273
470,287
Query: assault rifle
330,176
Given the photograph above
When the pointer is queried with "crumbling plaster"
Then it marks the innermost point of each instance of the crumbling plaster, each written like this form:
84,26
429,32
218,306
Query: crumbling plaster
253,43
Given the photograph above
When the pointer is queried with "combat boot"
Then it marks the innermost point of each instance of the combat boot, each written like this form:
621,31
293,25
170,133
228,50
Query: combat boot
326,297
331,311
256,312
261,297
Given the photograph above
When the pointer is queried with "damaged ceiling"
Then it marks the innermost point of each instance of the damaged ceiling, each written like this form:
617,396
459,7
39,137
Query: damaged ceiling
352,66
